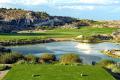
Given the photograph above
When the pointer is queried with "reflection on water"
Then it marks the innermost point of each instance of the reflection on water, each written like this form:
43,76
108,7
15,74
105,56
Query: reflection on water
88,52
86,48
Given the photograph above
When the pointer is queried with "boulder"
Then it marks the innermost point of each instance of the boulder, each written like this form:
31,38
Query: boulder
80,37
103,37
116,35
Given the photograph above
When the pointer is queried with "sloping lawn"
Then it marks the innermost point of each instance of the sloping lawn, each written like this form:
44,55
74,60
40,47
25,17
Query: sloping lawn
57,72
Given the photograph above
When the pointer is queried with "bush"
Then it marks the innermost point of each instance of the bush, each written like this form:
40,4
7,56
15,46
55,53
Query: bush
3,67
110,66
115,70
105,63
9,58
21,62
46,57
69,59
31,58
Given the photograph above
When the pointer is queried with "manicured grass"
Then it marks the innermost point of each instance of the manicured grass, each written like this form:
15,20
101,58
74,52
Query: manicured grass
57,72
56,33
87,31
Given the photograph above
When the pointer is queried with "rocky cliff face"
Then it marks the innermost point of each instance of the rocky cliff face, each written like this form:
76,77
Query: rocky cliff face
20,19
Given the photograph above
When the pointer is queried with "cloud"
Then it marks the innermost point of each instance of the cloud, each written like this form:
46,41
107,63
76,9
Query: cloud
99,1
78,7
61,4
33,2
107,2
85,4
24,2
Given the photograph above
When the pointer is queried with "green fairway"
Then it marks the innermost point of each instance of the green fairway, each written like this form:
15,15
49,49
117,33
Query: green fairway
56,33
86,31
57,72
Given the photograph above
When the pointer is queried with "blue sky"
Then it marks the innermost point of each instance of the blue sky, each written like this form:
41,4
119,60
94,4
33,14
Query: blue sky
83,9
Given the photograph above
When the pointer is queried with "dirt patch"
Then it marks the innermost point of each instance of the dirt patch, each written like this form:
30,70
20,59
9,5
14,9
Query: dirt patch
3,73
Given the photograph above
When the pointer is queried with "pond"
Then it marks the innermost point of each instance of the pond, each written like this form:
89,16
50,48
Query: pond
88,52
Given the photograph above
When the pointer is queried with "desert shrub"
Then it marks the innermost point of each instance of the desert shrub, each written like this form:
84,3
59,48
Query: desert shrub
110,66
2,67
113,67
31,58
9,58
69,58
21,62
115,70
46,57
105,63
92,39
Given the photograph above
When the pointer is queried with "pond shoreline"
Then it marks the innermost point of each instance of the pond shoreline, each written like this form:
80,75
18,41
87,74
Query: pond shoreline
35,41
111,53
88,51
14,43
26,42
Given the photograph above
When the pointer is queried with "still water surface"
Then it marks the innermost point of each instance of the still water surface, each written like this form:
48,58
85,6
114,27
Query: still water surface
88,52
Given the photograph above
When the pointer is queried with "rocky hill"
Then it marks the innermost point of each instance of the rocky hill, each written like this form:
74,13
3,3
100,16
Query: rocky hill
17,19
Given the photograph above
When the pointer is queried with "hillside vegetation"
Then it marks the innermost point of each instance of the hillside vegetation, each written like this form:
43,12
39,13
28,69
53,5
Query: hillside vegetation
12,14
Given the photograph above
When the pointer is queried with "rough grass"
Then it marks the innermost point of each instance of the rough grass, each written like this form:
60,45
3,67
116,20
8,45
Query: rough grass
57,72
17,37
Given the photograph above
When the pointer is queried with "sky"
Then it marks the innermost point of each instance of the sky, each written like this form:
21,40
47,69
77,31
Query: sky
83,9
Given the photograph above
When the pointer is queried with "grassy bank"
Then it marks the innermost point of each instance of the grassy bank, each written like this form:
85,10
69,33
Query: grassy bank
57,72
